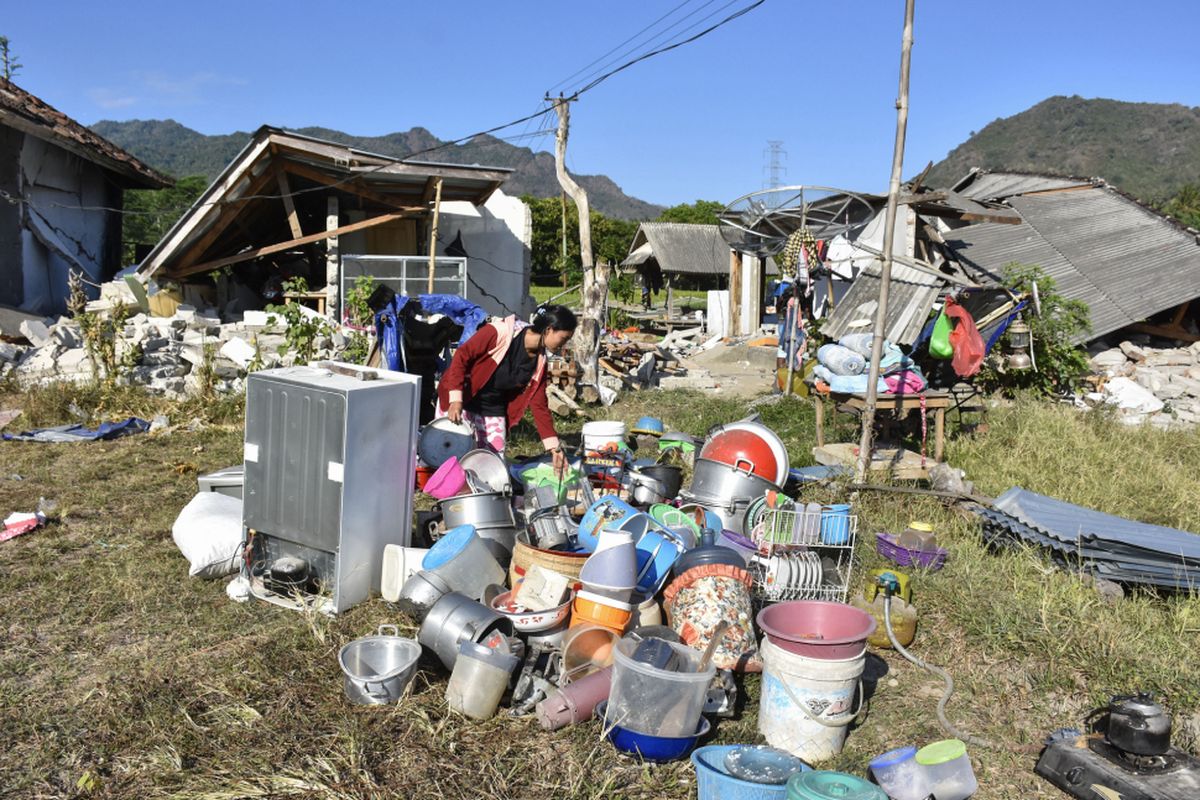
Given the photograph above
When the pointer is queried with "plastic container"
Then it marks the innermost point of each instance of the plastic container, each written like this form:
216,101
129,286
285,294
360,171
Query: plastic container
792,687
657,701
817,628
707,552
648,746
447,480
739,544
825,785
657,550
900,776
596,609
835,524
399,564
649,611
586,649
612,572
597,435
610,513
576,702
672,517
714,782
478,680
948,769
463,560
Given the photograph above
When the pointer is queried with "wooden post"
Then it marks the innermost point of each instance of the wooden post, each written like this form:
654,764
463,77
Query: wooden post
586,343
289,207
735,293
889,231
670,300
437,208
333,263
563,195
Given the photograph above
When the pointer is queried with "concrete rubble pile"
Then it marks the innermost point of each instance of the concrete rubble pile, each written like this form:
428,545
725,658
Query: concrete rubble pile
166,355
1147,384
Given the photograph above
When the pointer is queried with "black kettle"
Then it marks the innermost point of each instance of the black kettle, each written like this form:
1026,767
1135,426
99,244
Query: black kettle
1138,725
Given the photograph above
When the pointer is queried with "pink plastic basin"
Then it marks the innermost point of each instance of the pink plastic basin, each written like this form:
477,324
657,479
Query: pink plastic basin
447,481
817,628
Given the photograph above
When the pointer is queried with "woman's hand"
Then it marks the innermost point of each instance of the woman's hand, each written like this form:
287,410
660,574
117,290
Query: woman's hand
454,413
559,460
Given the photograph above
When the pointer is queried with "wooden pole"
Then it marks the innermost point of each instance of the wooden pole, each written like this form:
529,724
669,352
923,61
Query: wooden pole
437,208
889,231
563,196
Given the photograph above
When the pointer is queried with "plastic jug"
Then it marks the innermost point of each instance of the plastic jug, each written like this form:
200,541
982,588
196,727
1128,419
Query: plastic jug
478,680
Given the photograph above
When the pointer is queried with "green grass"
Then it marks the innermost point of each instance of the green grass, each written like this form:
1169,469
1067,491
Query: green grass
117,666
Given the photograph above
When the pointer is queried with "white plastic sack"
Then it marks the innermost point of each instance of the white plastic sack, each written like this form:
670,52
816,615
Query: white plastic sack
208,531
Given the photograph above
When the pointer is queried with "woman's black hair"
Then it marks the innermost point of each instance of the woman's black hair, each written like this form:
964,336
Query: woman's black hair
560,318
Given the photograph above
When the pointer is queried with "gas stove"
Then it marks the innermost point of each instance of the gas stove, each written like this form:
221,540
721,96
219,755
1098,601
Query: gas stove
1088,766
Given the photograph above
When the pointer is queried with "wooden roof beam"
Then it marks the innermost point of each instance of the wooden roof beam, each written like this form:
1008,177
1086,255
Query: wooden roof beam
351,186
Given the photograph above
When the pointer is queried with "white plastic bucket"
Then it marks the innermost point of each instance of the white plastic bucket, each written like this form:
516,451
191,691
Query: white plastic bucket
816,730
603,432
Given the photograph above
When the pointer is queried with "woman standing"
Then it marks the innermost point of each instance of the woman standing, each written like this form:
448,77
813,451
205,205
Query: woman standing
500,372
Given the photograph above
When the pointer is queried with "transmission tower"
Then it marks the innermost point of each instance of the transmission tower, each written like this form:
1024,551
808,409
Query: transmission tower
774,170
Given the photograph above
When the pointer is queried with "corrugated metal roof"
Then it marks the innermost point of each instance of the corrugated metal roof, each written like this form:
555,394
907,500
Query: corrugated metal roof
911,295
23,111
984,185
681,248
1125,261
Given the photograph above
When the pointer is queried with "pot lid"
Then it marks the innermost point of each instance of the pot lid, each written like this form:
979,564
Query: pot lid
707,552
825,785
442,439
453,542
1140,705
941,752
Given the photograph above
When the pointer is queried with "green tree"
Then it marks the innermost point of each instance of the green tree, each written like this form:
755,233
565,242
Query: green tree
1185,206
9,64
1061,363
611,237
701,212
152,212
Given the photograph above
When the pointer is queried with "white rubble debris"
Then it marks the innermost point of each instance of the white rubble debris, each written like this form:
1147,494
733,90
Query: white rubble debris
1160,386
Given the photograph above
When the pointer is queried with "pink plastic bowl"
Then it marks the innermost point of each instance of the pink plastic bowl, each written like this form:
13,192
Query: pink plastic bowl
447,481
817,628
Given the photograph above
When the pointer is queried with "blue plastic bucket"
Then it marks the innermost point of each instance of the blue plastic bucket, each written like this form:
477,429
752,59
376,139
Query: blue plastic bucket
612,513
835,524
713,781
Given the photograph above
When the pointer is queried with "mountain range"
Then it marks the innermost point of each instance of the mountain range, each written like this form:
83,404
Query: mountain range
1149,150
178,150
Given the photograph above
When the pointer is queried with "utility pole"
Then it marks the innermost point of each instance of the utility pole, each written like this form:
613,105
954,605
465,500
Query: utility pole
563,196
889,232
586,343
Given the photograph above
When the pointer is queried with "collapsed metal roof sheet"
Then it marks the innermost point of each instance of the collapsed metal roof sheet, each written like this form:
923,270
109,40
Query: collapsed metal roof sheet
910,295
987,185
1122,259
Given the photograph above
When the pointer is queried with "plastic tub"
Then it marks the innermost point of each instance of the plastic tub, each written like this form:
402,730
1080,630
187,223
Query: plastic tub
613,569
447,480
826,785
596,435
657,701
595,609
586,649
835,524
464,561
898,773
948,769
478,680
817,628
713,781
648,746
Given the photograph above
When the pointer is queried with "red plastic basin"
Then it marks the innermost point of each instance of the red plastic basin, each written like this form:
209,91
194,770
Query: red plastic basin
817,628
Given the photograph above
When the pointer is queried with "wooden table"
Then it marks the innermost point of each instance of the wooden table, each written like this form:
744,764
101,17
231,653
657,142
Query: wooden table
935,401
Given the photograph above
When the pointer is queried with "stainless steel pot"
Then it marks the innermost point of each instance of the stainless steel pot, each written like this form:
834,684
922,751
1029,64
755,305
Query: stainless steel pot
455,619
377,669
486,510
732,513
713,480
645,490
420,592
500,541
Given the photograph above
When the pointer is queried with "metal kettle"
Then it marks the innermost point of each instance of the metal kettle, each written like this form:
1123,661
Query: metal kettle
1137,724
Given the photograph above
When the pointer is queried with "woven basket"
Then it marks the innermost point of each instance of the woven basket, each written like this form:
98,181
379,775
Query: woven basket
887,546
525,556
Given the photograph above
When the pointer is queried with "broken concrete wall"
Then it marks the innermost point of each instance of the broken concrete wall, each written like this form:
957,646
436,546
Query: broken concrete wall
63,224
497,238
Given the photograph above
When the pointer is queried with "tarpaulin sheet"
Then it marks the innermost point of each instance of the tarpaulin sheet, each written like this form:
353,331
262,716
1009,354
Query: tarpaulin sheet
78,433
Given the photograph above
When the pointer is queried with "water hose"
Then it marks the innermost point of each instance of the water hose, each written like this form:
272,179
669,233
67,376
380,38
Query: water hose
947,726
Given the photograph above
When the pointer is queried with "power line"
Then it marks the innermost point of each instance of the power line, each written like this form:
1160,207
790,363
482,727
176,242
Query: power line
618,47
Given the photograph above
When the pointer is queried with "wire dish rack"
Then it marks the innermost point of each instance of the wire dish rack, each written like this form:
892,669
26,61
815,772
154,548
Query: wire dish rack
804,554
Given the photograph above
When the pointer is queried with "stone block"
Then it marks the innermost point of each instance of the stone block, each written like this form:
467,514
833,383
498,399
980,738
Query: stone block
239,351
36,332
1108,360
185,313
10,352
1169,391
257,319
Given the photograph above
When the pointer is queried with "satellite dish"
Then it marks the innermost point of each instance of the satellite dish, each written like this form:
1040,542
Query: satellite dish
760,223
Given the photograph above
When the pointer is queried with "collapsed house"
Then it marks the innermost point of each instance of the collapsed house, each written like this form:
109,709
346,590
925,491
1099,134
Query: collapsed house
291,206
61,193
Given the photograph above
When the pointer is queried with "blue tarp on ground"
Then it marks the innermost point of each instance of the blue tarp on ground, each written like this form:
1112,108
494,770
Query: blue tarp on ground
78,433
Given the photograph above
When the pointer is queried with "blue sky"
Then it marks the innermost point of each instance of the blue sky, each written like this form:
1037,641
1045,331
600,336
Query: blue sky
692,123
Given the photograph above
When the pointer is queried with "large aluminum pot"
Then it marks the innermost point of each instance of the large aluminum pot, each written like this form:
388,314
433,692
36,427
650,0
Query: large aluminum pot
378,668
730,513
645,490
500,541
456,619
486,510
712,480
489,469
